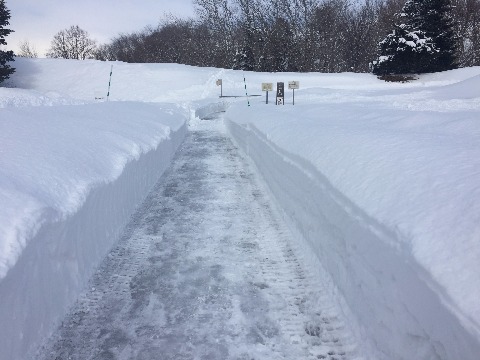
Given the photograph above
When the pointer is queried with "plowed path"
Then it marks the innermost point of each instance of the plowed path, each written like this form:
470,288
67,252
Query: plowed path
204,271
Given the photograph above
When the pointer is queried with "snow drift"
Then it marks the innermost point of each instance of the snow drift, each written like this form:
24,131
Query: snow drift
380,181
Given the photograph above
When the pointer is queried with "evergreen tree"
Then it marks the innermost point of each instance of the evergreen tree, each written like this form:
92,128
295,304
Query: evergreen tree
423,41
5,56
405,51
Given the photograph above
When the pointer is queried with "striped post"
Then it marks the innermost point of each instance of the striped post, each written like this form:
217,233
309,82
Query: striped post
246,93
109,82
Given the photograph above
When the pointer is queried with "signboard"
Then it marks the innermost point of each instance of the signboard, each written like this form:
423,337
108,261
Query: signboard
99,95
219,82
280,93
267,86
294,85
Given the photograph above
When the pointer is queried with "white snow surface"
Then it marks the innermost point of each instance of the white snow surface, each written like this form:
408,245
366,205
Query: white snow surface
380,180
416,173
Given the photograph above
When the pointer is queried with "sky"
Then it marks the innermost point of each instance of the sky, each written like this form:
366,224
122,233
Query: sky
38,21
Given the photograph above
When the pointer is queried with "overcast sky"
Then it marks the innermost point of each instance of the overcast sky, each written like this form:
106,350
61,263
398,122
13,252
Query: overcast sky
39,20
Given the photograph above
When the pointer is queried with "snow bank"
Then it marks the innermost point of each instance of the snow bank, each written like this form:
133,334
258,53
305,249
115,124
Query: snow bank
70,178
380,179
389,201
83,81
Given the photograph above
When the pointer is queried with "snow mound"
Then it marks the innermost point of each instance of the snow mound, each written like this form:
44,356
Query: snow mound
466,89
380,180
52,157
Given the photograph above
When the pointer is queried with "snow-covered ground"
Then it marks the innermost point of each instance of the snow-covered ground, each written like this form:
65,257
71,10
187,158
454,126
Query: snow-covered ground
206,269
380,181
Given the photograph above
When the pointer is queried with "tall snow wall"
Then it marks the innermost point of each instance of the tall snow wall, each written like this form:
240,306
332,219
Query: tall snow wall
389,296
55,266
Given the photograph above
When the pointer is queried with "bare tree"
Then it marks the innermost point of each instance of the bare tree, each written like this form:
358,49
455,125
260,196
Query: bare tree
220,19
283,35
105,52
27,50
330,29
466,16
72,43
361,36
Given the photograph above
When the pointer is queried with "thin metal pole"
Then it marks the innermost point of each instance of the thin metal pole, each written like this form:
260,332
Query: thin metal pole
109,82
246,94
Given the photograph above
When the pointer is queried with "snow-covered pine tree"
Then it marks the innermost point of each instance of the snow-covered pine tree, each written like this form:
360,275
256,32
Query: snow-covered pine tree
422,41
404,51
5,56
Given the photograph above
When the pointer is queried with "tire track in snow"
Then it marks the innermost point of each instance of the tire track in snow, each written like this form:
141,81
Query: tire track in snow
204,271
308,318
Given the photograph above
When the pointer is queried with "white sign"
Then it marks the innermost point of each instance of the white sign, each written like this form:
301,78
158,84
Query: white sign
267,86
99,95
219,82
294,85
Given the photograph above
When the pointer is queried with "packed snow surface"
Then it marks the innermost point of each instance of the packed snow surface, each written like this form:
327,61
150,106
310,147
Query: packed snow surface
395,169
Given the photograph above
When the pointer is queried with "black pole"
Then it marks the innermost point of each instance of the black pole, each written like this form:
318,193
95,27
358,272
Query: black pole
109,83
267,98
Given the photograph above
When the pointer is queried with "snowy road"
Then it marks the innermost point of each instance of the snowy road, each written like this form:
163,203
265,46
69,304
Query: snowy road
204,271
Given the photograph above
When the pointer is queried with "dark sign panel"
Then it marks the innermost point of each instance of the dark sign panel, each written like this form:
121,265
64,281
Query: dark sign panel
280,93
280,89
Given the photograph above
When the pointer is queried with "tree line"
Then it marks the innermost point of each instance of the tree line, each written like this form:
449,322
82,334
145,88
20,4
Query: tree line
288,35
265,35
